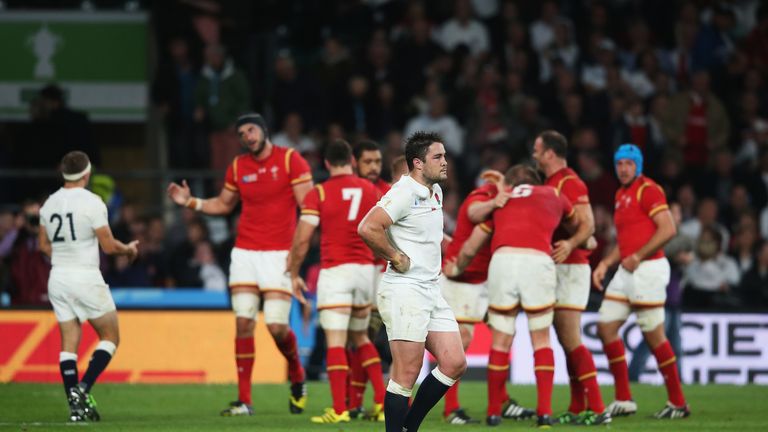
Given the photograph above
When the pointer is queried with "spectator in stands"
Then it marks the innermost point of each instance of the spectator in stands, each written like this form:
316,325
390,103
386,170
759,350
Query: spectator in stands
29,267
696,122
754,285
333,69
173,92
386,113
293,91
463,29
63,127
745,243
292,135
712,275
413,55
756,42
544,29
562,49
184,271
714,43
706,216
601,184
211,275
221,95
678,61
438,120
354,110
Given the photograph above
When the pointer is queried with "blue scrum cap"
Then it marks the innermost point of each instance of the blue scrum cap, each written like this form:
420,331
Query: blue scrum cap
631,152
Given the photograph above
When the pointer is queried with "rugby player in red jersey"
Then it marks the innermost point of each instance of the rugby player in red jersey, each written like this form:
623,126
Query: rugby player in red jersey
347,275
270,181
644,225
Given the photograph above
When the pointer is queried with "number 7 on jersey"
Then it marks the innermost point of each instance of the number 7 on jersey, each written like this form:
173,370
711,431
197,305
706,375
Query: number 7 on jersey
354,195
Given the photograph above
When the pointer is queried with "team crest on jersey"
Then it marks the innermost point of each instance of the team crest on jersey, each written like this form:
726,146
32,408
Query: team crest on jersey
274,170
625,201
250,178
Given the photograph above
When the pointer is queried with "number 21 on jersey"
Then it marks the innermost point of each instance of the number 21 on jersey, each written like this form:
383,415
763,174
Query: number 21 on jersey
354,195
57,235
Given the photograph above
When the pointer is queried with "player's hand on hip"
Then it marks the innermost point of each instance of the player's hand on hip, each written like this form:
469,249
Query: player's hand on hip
563,249
402,263
451,268
631,263
180,194
598,275
299,288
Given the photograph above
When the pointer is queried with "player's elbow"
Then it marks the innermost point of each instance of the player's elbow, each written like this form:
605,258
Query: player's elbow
365,229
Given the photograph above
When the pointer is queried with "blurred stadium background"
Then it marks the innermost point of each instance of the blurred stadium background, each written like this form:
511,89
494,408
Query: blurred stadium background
150,91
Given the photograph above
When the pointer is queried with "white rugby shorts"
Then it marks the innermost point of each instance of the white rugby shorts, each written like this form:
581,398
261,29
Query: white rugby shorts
79,293
645,287
346,285
469,302
410,310
573,285
262,269
521,279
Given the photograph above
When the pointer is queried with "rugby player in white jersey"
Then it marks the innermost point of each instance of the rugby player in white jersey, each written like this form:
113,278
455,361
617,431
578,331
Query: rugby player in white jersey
406,229
74,222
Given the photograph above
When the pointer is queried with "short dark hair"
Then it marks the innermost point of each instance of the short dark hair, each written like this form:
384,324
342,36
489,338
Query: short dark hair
555,141
364,146
338,152
417,145
74,162
522,174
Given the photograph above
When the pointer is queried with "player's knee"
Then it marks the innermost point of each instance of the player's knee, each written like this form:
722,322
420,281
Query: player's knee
278,331
456,368
244,327
540,321
359,338
606,332
502,323
650,319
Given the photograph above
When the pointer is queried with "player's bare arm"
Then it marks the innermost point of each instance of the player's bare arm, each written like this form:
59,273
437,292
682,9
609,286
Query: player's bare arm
373,231
299,248
602,267
584,223
222,204
300,190
44,243
665,230
469,249
112,246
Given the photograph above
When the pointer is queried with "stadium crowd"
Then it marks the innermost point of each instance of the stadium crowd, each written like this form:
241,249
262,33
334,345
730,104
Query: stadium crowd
685,81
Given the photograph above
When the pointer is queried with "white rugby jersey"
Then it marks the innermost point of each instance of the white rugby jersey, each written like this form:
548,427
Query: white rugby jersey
417,229
70,217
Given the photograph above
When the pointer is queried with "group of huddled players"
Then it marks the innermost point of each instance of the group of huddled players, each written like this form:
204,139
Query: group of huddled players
519,243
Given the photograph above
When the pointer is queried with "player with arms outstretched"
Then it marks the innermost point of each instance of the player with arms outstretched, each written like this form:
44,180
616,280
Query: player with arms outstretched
73,225
644,225
270,181
345,284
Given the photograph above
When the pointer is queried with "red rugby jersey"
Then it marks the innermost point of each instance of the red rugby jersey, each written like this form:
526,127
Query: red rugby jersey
477,270
529,219
341,202
635,207
268,216
382,186
568,184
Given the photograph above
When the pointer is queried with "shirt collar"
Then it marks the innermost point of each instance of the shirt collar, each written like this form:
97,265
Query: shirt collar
421,191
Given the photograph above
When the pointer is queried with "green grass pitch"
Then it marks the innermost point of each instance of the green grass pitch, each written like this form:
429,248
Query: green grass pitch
187,408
